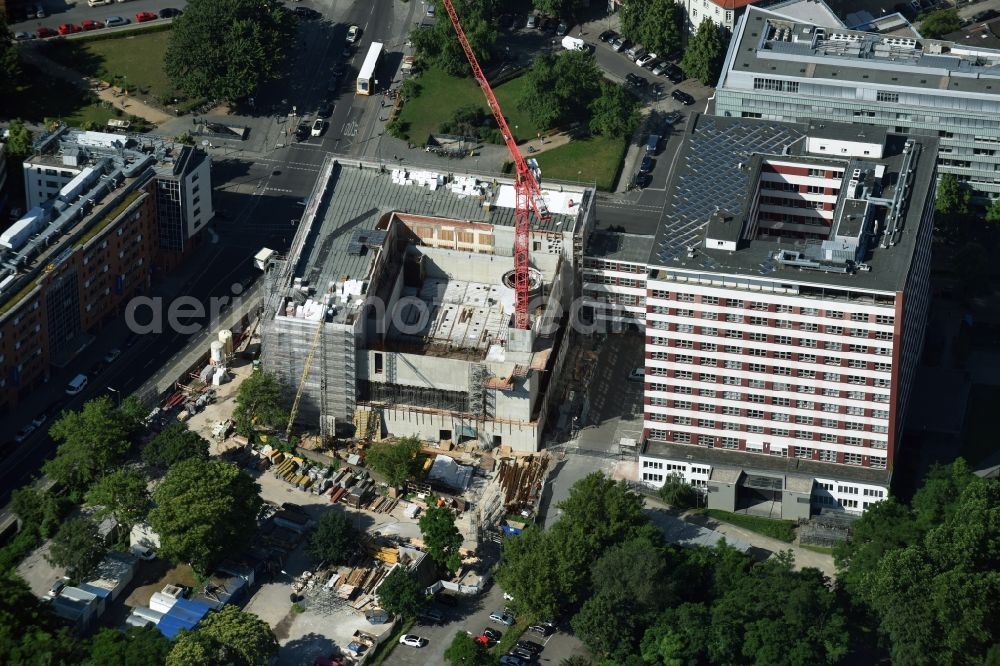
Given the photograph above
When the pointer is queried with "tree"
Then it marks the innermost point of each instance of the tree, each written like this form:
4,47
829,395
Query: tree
438,46
224,49
38,509
678,637
885,526
951,198
605,510
614,112
10,65
92,442
136,646
77,547
204,510
123,495
19,141
401,594
678,494
246,638
561,88
704,53
993,212
567,9
441,538
464,651
396,461
939,23
192,648
28,633
174,444
134,413
657,24
531,571
258,402
335,539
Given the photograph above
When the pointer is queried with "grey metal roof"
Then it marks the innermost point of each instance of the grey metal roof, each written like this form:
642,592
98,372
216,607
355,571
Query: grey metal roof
357,198
716,169
929,64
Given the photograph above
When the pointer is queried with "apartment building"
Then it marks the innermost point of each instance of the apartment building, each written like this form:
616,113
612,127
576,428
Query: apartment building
724,13
614,280
781,69
182,173
786,295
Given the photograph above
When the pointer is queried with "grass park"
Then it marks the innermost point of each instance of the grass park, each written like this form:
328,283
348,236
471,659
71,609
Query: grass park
783,530
593,159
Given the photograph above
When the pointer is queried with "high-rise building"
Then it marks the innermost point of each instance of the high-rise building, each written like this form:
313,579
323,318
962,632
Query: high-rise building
786,297
780,69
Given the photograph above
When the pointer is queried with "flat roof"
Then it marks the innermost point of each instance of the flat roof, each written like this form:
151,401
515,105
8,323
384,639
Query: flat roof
772,45
749,462
616,246
717,169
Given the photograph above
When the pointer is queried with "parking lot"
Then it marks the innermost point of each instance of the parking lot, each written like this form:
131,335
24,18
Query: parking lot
472,614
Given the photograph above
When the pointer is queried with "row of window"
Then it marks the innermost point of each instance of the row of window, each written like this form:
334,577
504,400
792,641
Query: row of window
756,398
613,266
737,334
829,361
805,388
761,306
778,417
828,345
753,320
779,371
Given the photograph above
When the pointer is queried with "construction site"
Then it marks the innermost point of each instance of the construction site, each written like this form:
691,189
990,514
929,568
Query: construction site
394,310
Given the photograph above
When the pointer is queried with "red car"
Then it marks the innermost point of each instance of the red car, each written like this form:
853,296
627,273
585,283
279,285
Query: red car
42,33
68,29
91,25
142,17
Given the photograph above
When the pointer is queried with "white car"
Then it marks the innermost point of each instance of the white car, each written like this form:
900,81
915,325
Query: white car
113,21
353,33
24,433
318,126
637,375
646,59
507,596
502,618
412,641
98,3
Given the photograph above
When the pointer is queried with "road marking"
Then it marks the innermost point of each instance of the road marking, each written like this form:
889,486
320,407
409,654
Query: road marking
350,129
278,189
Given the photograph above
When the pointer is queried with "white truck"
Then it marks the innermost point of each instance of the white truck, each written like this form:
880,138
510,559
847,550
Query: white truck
574,44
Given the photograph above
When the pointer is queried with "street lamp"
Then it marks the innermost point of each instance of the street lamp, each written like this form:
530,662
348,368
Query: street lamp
118,394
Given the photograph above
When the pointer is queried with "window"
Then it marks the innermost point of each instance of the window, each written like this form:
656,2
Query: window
685,298
803,434
706,423
852,459
803,452
833,314
828,438
807,358
779,417
827,456
831,377
877,463
730,443
885,319
776,85
781,402
886,96
710,300
682,437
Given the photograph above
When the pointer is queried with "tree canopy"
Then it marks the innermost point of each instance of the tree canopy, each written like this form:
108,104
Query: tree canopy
92,441
10,66
172,445
224,49
952,198
705,52
121,494
678,494
441,538
136,646
656,24
18,145
614,113
38,509
464,651
565,9
561,88
397,461
401,594
258,403
335,539
993,212
204,510
77,546
939,23
437,46
28,631
229,635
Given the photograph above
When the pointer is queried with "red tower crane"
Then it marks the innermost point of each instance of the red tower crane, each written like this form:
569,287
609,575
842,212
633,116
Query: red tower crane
525,186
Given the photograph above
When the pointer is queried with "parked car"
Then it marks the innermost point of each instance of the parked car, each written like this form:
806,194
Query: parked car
660,68
671,119
412,641
647,164
682,97
325,111
532,22
40,12
618,43
643,180
98,3
607,36
523,654
318,126
302,131
530,646
90,24
430,10
431,615
112,355
143,553
57,587
512,660
170,12
113,21
353,34
562,28
502,618
21,36
495,634
142,17
634,80
76,385
485,641
68,28
24,433
634,52
645,60
40,420
306,13
542,630
674,73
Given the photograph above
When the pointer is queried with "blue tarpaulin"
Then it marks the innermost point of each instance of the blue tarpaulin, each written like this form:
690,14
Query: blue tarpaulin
185,614
510,531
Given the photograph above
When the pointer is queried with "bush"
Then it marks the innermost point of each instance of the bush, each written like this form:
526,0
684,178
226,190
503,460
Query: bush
783,530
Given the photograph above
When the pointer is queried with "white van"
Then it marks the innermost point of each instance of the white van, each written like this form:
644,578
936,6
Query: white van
98,3
76,385
574,44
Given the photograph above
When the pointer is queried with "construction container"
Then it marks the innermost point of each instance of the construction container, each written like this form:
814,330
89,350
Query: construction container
226,338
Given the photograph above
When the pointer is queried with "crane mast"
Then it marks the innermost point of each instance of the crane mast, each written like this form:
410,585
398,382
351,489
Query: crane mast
526,189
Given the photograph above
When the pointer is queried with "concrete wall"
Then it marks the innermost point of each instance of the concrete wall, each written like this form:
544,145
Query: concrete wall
516,404
444,374
795,505
722,496
428,426
456,265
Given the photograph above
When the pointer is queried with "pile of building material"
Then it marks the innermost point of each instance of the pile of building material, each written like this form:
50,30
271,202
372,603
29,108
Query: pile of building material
521,480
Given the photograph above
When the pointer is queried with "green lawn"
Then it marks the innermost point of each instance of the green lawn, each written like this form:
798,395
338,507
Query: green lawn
979,440
39,99
135,60
440,95
510,636
595,159
783,530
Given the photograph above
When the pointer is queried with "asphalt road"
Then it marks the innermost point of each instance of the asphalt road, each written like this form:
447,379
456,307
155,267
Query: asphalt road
63,12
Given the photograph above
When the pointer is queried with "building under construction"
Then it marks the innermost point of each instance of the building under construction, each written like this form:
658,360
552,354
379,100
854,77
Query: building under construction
396,300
